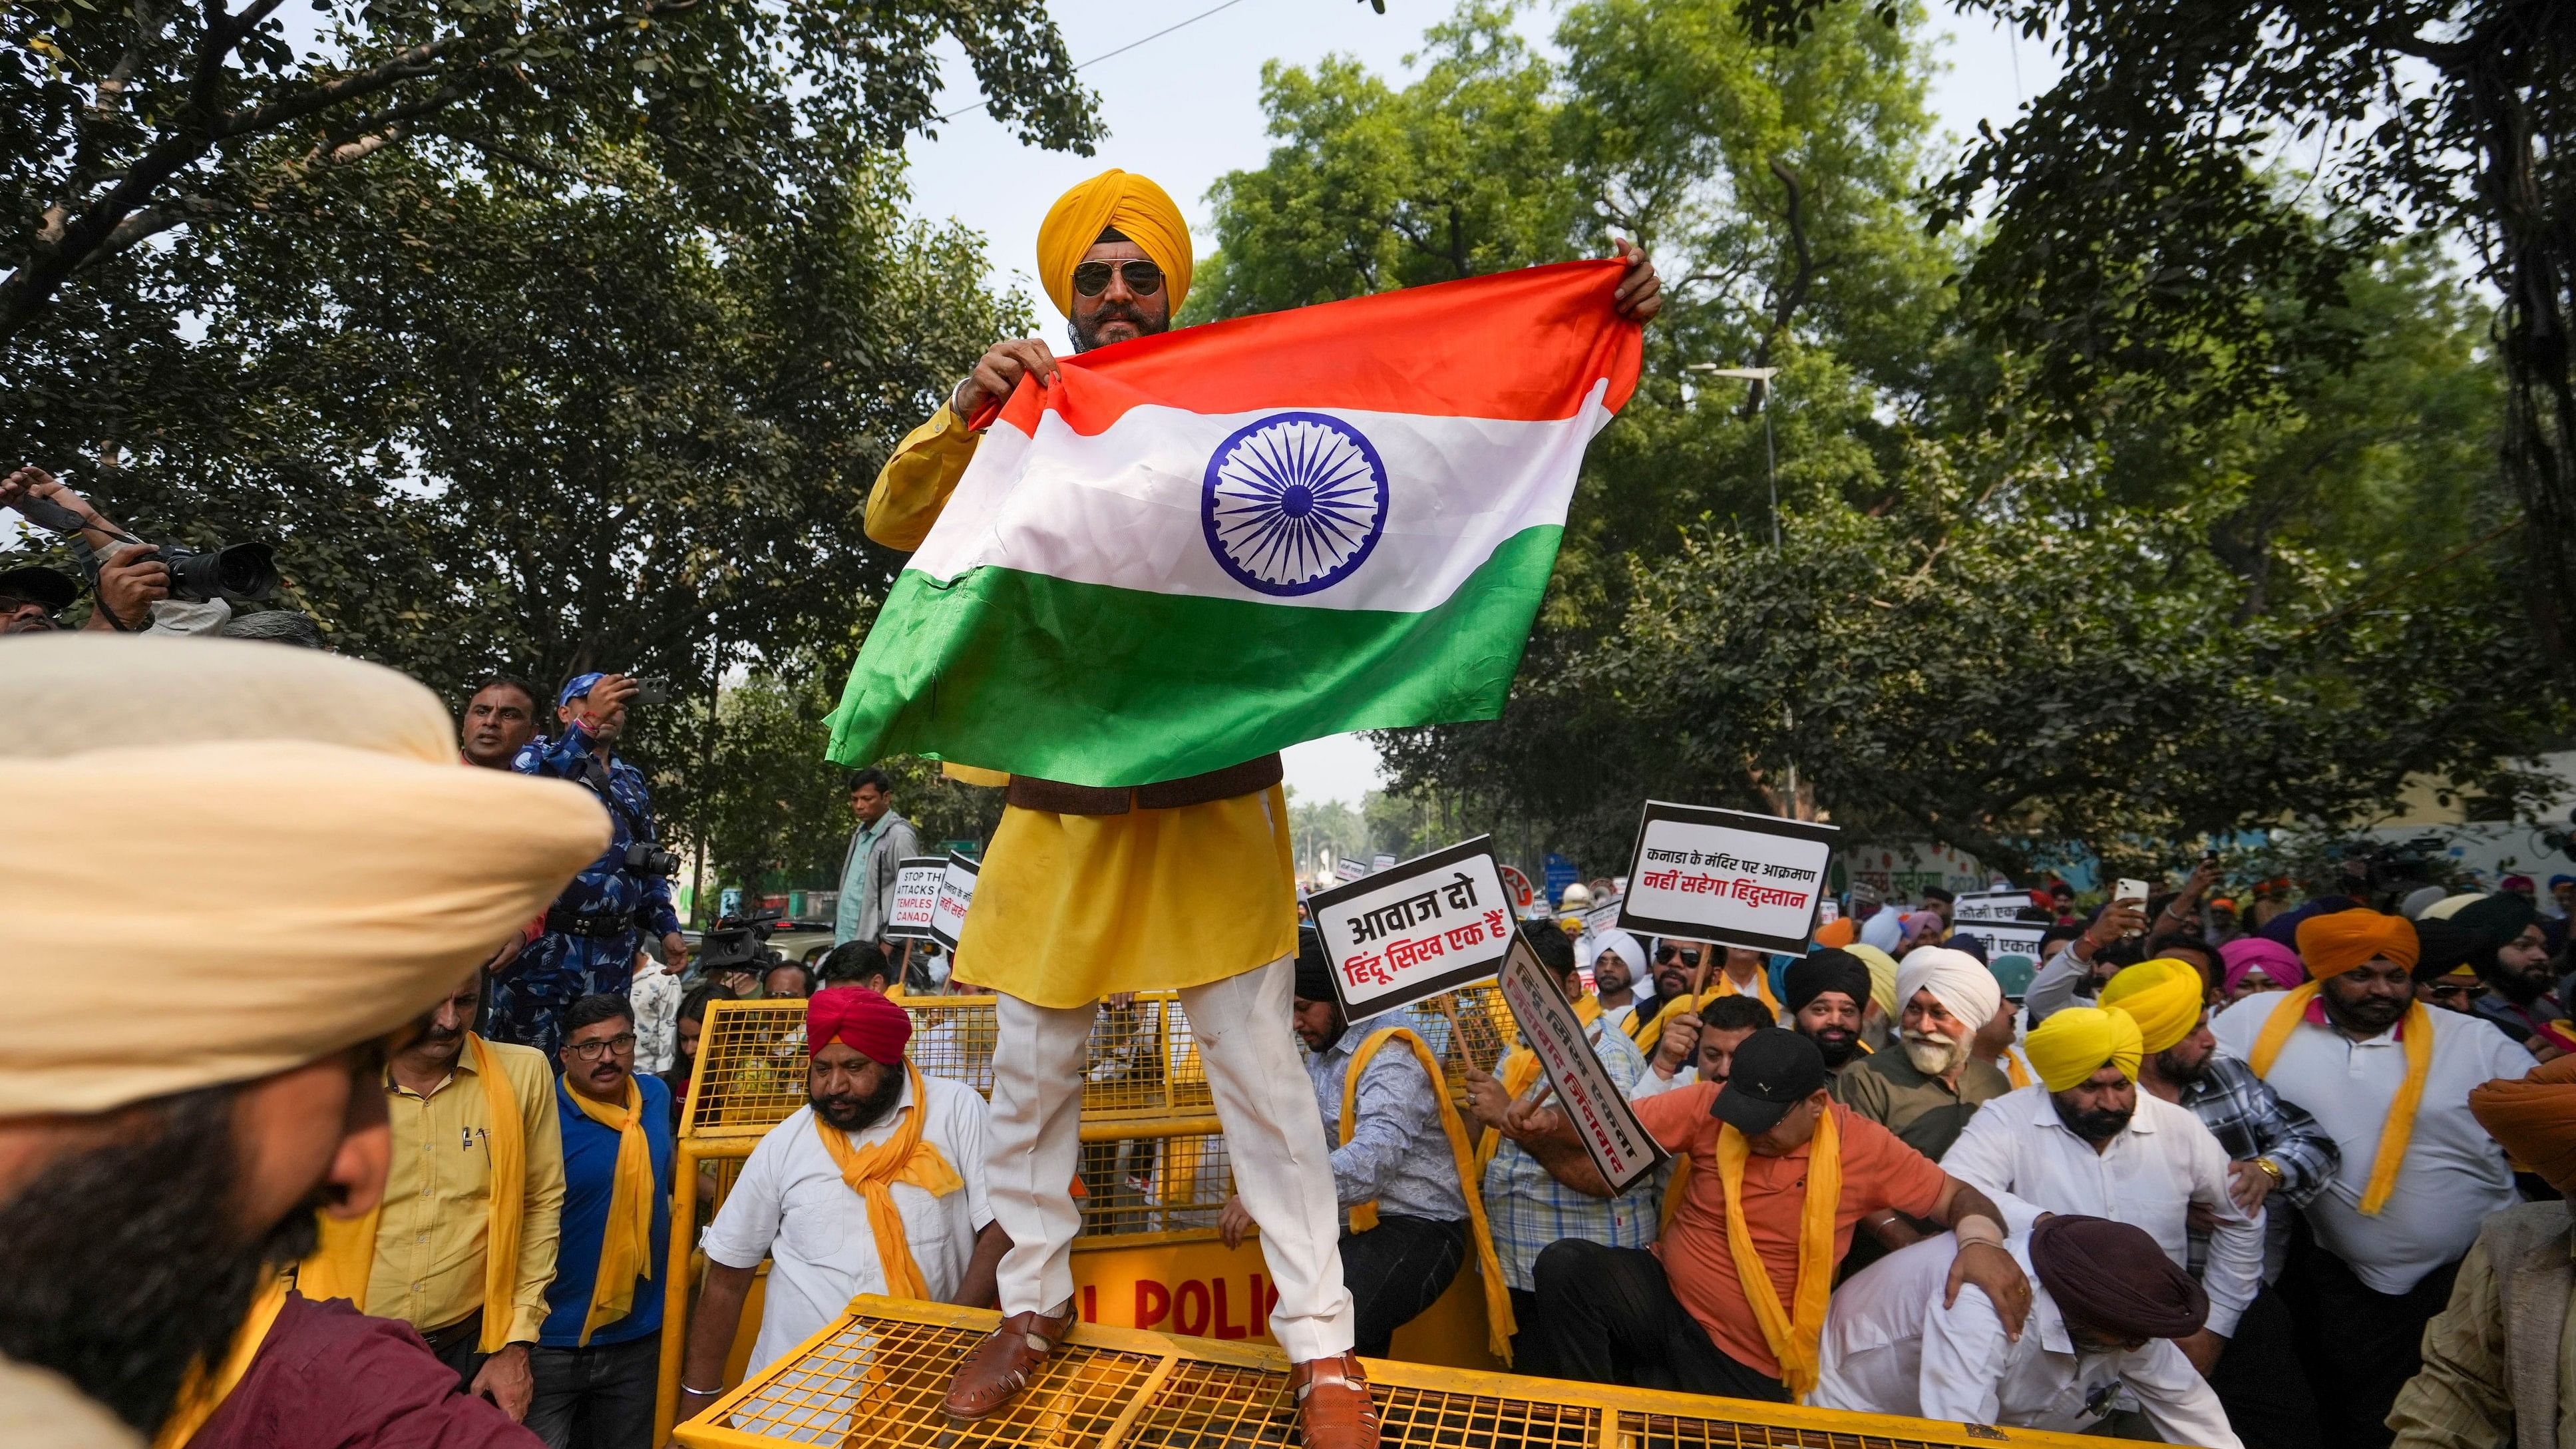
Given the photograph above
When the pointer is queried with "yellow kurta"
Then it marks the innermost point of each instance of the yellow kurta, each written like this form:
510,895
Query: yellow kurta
1069,908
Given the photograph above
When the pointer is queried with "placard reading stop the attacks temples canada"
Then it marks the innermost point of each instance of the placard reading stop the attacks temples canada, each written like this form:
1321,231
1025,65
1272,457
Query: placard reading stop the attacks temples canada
1416,929
1618,1143
1727,876
956,893
916,897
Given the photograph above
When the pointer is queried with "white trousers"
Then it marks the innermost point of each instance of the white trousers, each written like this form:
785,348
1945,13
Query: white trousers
1274,1138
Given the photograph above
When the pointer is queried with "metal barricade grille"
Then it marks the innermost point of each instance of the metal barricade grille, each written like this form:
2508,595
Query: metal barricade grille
879,1382
750,1074
1661,1431
1154,1184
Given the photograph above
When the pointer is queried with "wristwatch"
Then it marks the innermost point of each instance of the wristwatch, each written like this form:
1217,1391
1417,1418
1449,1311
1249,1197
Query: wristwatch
2271,1169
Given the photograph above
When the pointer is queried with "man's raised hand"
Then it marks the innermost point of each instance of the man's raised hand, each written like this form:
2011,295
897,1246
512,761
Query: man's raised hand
1641,292
999,371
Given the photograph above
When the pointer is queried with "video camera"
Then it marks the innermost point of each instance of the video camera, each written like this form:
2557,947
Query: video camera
2392,869
741,943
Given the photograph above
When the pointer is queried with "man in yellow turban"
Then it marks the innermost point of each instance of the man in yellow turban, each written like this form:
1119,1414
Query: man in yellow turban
1182,884
166,1140
2083,1139
2390,1082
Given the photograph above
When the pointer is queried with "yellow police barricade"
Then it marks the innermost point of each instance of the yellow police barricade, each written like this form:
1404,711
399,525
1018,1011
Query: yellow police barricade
1153,1168
876,1377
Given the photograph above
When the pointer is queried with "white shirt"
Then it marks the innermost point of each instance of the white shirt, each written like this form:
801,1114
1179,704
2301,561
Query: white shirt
2017,1152
1618,1016
2454,1174
1891,1348
791,1206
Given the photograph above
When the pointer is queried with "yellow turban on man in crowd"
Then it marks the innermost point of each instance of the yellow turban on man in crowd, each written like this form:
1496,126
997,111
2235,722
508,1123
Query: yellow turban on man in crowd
2075,1043
1119,201
2164,996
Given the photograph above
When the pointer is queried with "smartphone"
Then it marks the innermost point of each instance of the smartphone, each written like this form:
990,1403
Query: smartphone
652,691
2130,890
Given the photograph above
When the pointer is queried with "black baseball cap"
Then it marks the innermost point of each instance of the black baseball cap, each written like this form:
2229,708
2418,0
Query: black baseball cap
1774,1070
50,587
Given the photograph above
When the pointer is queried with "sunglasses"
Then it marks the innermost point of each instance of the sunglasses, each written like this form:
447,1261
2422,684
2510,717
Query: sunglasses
2465,992
1143,278
1676,953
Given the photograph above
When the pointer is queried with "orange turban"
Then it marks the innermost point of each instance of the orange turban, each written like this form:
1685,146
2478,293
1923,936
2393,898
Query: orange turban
1837,932
1137,208
2334,944
2535,1120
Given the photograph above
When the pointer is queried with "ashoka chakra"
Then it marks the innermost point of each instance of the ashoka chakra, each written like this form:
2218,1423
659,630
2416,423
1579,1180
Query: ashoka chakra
1294,502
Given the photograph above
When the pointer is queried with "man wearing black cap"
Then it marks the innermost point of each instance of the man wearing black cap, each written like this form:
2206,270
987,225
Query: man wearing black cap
2106,1310
1685,1315
32,599
1824,994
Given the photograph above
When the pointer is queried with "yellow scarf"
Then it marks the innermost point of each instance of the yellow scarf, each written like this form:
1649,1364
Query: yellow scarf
1499,1325
1519,1072
1794,1340
2400,1127
1761,987
2018,1074
625,1251
872,1173
202,1393
339,1268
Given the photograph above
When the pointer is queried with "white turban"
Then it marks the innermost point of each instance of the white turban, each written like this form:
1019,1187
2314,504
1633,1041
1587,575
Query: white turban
1625,947
1886,930
225,859
1959,981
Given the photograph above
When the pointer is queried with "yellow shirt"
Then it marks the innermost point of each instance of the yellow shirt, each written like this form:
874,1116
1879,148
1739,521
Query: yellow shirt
429,1240
1070,908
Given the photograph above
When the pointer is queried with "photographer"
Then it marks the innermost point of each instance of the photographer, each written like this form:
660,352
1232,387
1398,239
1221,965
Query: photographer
595,927
130,580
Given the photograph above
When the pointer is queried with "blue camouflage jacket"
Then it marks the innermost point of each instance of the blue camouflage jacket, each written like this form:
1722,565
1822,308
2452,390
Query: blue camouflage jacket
605,885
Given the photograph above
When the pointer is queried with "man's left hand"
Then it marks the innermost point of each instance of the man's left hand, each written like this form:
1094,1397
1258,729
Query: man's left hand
2202,1349
1233,1221
506,1381
1993,1270
675,954
1641,292
2249,1185
1486,1099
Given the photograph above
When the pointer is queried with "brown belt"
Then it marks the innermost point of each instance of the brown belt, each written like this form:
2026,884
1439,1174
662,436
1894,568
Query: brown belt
1030,793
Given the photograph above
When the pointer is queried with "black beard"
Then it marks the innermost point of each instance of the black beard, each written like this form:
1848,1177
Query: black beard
858,1114
122,1266
1837,1045
2520,988
2171,1067
2100,1125
1087,338
2373,1016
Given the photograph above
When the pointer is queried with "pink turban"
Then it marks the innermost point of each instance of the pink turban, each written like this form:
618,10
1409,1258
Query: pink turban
2257,953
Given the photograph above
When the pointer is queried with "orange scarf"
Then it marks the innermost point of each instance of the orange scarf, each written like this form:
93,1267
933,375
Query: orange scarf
1499,1324
2399,1130
203,1393
626,1249
1795,1338
872,1172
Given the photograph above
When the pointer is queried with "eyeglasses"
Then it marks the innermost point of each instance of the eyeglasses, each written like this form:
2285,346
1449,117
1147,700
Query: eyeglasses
1676,953
591,1051
1143,277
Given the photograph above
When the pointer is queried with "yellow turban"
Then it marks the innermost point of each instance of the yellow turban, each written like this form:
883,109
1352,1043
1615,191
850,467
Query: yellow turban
2334,944
217,910
2164,996
1137,208
2079,1041
1882,975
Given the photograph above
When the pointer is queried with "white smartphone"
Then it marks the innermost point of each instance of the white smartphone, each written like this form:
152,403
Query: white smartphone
2130,890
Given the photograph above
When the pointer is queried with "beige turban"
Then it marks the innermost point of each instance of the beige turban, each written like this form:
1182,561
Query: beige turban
304,866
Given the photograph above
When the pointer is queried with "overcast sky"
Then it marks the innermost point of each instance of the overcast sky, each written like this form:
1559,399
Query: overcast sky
1185,108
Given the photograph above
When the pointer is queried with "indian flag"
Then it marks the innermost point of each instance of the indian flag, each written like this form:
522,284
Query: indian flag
1203,546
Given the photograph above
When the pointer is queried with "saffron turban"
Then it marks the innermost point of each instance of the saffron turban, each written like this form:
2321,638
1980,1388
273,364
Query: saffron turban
1960,982
349,871
2257,953
1882,976
1837,932
2535,1119
2335,944
1126,203
2164,997
2113,1278
1827,970
2075,1043
860,1019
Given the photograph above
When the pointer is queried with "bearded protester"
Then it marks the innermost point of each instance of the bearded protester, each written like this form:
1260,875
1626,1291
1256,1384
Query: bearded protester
1731,1299
1926,1092
1618,963
875,1185
2273,1149
2389,1080
2106,1306
1677,965
2511,955
167,1148
1825,993
2085,1140
2496,1357
1700,1046
1184,884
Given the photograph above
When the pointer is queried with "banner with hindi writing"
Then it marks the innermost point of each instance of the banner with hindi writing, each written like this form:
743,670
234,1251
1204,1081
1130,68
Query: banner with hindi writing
1990,906
1727,876
1618,1143
1415,930
2003,938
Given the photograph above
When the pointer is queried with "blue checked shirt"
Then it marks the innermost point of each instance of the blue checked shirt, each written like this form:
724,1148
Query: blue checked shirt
1397,1156
1527,1209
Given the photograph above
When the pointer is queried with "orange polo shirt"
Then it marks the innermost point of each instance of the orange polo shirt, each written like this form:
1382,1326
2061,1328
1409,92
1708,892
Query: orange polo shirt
1879,1171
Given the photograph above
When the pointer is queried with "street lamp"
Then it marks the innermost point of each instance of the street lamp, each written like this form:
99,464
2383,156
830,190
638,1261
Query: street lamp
1770,455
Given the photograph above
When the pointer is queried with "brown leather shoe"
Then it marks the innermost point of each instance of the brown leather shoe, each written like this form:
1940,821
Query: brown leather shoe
1334,1410
1002,1364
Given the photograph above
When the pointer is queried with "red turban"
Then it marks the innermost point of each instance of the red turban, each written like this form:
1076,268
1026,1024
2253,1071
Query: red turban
2334,944
872,1026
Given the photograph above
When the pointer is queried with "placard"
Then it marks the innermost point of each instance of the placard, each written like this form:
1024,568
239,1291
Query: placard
1990,906
2004,938
1381,862
916,897
1727,876
1523,896
1415,930
956,893
1617,1142
1603,917
1349,869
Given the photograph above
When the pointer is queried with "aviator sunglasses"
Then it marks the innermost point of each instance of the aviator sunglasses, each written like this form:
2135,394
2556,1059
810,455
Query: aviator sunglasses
1143,277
